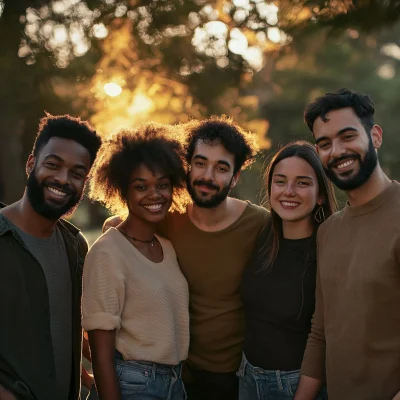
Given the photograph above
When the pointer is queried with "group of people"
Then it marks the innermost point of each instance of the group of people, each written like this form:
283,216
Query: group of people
190,293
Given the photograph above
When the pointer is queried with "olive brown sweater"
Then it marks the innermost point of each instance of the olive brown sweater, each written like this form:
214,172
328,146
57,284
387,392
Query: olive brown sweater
356,326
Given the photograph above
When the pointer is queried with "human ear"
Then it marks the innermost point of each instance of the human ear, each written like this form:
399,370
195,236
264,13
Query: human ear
30,164
235,179
376,136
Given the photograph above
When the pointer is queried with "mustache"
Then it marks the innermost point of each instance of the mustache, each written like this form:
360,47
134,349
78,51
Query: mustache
339,160
201,182
64,188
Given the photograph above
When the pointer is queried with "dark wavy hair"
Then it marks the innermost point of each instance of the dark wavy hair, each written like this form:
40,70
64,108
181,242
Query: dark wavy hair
67,127
362,105
152,145
273,233
223,130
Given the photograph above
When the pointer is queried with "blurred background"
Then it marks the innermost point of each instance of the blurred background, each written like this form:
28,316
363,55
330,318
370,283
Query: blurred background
120,63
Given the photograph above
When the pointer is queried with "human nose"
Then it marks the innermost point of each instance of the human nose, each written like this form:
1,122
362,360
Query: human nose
209,174
337,149
154,193
289,190
62,176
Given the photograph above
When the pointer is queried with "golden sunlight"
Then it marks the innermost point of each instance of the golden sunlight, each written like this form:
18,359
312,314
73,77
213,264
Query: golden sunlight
140,104
112,89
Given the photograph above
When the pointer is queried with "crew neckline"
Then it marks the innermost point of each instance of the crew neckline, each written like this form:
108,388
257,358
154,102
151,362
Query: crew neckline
377,202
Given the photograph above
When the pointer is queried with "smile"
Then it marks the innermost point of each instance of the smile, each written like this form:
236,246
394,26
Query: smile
154,207
345,164
57,192
290,204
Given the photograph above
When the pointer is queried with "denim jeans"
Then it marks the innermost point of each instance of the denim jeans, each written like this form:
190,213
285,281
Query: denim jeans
260,384
143,380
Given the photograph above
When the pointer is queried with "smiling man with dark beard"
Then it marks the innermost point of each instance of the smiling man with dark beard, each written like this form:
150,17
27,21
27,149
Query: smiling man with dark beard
41,267
355,334
214,239
52,209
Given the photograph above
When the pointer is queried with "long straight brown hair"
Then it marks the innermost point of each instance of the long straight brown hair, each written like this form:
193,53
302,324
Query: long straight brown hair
273,233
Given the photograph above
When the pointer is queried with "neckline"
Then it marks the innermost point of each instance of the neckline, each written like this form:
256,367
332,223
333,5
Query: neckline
137,252
301,240
229,227
21,232
375,203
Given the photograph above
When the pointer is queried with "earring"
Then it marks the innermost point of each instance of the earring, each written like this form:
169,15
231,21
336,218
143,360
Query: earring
320,215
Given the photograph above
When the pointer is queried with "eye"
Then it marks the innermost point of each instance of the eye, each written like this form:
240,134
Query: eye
323,145
163,185
304,183
51,165
348,136
279,182
79,175
199,163
222,169
140,187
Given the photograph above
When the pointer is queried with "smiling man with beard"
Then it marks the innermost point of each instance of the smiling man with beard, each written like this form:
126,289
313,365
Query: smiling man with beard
214,240
355,334
41,267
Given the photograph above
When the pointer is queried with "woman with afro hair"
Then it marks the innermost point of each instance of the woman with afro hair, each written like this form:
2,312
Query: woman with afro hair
135,298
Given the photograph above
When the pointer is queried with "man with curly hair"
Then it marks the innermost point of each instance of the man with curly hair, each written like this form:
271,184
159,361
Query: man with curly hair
214,239
41,267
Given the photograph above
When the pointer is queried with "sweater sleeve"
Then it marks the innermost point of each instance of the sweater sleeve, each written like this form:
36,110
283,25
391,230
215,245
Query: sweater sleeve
314,356
103,291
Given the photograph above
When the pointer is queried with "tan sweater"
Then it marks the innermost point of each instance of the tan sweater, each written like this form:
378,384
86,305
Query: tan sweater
146,302
213,264
356,325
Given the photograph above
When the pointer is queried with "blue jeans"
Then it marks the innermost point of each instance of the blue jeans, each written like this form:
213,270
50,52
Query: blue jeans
143,380
260,384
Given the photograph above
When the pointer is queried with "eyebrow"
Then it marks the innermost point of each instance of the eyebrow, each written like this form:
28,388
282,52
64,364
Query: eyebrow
58,158
297,177
138,179
218,161
343,130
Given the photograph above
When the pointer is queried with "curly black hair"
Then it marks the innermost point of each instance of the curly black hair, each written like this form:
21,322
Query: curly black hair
362,105
153,145
67,127
223,130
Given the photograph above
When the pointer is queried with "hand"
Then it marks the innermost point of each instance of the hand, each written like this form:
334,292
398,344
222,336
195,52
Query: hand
111,222
5,394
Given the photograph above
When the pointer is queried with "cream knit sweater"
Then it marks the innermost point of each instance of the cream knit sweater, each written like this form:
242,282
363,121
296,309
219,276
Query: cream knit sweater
146,302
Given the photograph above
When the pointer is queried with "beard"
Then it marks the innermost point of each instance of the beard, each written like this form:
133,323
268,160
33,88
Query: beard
212,202
51,210
367,167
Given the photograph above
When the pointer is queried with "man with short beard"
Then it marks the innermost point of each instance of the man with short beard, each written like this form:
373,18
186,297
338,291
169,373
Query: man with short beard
41,267
355,334
213,241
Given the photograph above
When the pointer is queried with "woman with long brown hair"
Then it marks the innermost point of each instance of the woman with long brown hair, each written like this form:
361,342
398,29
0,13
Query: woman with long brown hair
278,286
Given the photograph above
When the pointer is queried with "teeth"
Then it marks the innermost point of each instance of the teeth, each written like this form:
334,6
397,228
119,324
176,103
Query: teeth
345,164
154,207
57,192
289,204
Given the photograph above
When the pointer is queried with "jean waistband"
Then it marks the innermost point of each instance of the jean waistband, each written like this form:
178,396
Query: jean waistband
246,367
150,366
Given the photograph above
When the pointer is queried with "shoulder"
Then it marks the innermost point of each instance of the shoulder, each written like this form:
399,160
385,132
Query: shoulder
167,246
83,245
260,215
331,223
106,242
